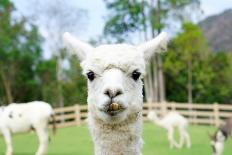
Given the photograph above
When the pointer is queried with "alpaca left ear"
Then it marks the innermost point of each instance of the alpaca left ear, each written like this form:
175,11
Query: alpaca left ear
156,45
77,47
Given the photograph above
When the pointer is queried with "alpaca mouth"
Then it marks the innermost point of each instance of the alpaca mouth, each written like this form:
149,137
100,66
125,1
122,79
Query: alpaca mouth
113,113
114,108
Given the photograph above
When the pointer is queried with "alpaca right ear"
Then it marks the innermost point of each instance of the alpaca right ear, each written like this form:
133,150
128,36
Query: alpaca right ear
77,47
156,45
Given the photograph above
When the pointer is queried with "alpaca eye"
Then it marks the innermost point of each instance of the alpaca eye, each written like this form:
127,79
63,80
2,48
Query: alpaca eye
136,75
90,75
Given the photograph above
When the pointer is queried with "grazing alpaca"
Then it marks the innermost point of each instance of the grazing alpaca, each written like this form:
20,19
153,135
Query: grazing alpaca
169,122
17,118
219,138
115,97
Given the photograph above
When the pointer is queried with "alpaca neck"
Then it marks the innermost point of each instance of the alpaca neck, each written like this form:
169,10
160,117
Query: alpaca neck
158,121
117,139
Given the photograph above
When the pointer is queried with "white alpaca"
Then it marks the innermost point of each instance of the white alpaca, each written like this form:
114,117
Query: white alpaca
169,122
17,118
115,97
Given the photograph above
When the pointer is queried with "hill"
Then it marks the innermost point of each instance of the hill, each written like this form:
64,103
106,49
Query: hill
218,31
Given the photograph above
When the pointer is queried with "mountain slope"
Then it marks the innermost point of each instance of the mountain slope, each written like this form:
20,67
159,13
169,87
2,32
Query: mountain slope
218,31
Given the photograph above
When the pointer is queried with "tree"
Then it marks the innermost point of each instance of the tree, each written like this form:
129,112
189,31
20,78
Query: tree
46,74
220,88
55,18
19,52
144,19
187,65
75,87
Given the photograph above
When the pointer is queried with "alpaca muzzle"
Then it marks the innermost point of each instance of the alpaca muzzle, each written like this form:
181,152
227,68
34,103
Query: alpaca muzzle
114,108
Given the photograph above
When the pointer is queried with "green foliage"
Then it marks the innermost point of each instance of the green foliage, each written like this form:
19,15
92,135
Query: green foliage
220,89
19,54
211,72
75,88
46,74
128,17
188,47
24,74
4,5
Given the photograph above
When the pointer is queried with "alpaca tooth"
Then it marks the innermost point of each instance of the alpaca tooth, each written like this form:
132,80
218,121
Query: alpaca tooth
114,106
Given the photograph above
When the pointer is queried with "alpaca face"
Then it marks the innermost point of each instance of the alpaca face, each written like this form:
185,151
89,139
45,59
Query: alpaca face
217,147
114,78
217,143
114,74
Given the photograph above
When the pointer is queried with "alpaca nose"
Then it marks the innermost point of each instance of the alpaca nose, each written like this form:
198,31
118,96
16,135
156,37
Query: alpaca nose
112,93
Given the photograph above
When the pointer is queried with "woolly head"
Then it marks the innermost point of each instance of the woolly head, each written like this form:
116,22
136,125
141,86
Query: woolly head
152,115
217,142
114,75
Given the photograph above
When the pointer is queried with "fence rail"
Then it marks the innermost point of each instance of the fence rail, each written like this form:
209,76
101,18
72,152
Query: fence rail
208,114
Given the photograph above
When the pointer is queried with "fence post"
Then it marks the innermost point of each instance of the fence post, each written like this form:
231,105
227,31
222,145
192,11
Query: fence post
173,104
163,108
149,106
78,114
216,114
192,113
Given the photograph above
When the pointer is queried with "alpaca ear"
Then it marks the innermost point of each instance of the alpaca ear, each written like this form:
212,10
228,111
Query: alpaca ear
156,45
210,135
77,47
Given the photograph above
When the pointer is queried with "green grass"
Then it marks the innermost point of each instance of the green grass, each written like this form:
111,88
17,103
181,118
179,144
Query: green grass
77,141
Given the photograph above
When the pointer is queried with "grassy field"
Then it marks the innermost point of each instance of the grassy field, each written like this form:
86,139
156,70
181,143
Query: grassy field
76,141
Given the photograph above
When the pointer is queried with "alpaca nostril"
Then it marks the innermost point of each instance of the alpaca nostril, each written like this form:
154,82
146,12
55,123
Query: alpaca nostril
107,93
112,94
119,92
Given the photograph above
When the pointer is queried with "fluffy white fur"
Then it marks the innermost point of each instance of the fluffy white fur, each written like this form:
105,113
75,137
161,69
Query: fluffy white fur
17,118
113,65
218,143
169,122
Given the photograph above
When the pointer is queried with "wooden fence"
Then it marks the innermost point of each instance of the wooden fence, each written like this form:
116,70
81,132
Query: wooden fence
208,114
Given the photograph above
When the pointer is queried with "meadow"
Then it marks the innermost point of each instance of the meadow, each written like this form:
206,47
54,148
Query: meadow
77,141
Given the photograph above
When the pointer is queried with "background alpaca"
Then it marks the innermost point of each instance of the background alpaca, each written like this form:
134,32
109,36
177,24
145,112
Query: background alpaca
16,118
115,98
169,122
219,138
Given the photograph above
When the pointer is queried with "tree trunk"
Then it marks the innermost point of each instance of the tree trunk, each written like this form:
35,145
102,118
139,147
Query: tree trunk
162,96
189,85
146,85
59,85
150,84
155,80
144,22
161,79
190,94
7,87
154,65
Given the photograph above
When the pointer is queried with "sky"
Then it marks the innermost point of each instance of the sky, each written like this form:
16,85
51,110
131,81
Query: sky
211,7
97,13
